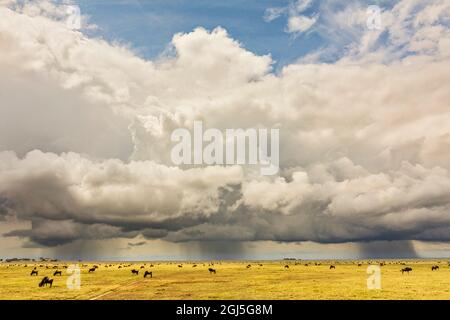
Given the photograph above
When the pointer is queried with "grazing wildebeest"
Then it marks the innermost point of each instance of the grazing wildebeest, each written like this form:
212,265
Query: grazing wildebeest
92,270
136,272
46,281
119,267
142,267
359,264
332,267
57,273
34,272
151,265
148,273
407,270
211,270
286,266
260,265
194,266
249,266
306,264
434,268
180,266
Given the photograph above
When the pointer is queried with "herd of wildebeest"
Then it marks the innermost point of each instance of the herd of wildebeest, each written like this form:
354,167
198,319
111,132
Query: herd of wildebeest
46,281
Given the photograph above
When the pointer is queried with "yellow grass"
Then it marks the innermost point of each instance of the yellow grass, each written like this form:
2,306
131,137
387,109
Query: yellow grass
232,281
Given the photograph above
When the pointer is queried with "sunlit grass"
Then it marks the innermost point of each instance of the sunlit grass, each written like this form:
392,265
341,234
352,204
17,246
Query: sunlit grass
232,281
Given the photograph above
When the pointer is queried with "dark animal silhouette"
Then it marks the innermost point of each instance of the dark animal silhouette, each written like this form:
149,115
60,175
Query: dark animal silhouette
57,273
45,281
249,266
332,267
359,264
434,268
92,270
180,266
211,270
142,267
148,273
286,266
136,272
407,270
194,266
34,272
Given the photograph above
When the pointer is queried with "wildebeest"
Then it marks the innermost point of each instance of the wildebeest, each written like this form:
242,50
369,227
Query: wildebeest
194,266
407,270
211,270
57,273
180,266
34,272
332,267
136,272
286,266
148,273
359,264
46,281
249,266
434,268
142,267
92,270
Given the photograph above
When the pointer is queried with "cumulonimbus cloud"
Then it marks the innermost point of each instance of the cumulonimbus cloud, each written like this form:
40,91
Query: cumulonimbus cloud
365,142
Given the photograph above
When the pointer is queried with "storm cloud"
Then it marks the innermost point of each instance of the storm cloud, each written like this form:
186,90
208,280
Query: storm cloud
85,133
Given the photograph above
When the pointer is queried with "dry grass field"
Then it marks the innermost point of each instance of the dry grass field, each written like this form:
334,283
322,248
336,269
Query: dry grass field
233,280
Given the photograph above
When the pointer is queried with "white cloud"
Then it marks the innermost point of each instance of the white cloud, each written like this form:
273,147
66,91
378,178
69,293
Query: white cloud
363,141
273,13
296,22
300,24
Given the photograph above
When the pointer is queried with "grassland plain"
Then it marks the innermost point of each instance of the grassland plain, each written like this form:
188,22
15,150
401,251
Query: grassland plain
233,280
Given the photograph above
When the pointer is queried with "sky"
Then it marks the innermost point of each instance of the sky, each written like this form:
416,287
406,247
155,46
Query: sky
359,91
